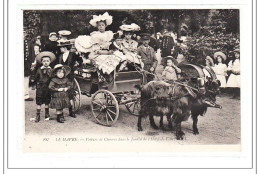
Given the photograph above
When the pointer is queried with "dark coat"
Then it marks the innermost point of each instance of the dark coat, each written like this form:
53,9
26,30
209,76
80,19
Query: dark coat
166,45
71,60
148,57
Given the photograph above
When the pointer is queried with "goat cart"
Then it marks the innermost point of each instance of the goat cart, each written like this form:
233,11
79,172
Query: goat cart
106,97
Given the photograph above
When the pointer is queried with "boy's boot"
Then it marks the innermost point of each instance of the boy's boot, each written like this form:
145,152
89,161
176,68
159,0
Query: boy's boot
71,112
37,118
62,117
59,118
47,115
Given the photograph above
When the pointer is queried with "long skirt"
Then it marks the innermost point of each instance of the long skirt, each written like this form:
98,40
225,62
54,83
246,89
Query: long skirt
60,100
222,79
233,81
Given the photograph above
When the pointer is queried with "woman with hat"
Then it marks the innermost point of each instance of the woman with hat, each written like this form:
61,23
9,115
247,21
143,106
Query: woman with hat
234,78
130,45
42,79
72,60
59,86
220,69
67,57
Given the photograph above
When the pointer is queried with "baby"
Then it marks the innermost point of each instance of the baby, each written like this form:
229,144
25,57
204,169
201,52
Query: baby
169,73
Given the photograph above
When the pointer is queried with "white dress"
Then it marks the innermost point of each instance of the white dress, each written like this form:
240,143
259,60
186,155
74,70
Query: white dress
102,41
234,78
221,72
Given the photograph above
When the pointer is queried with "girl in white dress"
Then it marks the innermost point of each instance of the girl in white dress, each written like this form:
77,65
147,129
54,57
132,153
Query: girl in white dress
220,69
97,45
234,78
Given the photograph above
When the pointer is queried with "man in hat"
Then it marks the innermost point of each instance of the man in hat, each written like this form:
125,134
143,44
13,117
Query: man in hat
167,44
70,59
51,45
64,34
148,57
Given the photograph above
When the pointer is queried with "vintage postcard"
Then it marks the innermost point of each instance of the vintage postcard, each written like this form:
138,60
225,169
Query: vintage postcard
153,79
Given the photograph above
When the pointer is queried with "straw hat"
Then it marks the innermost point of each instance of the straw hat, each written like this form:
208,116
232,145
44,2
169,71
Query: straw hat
52,33
210,60
64,33
45,54
83,44
216,54
62,43
132,27
105,17
60,66
237,50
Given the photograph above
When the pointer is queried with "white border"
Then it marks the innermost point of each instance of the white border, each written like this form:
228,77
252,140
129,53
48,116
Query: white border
216,160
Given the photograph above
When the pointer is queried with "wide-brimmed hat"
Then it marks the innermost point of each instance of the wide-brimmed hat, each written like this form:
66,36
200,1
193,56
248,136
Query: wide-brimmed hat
164,60
64,33
83,44
210,60
132,27
105,17
60,66
52,33
236,50
219,53
62,43
45,54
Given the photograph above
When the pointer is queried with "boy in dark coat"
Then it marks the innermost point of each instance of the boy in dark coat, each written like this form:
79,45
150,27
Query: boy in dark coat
148,57
42,79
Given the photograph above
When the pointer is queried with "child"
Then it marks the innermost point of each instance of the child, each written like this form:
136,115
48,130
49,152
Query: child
59,85
148,57
100,54
234,78
116,44
116,48
42,79
169,72
220,69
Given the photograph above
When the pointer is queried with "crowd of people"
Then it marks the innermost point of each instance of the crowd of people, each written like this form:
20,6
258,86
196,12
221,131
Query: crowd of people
49,67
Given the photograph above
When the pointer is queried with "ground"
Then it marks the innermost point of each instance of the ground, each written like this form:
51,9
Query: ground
217,126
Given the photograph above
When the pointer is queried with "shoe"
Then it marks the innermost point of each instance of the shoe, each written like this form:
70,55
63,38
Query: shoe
47,117
72,115
62,117
28,99
59,119
37,119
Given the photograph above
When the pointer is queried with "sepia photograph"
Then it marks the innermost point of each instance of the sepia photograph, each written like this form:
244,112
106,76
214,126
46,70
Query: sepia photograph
162,77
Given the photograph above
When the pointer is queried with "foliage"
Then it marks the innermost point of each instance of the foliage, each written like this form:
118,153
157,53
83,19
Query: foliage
31,23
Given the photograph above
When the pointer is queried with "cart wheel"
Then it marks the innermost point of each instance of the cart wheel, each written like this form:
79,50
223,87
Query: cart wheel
76,96
105,107
134,107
